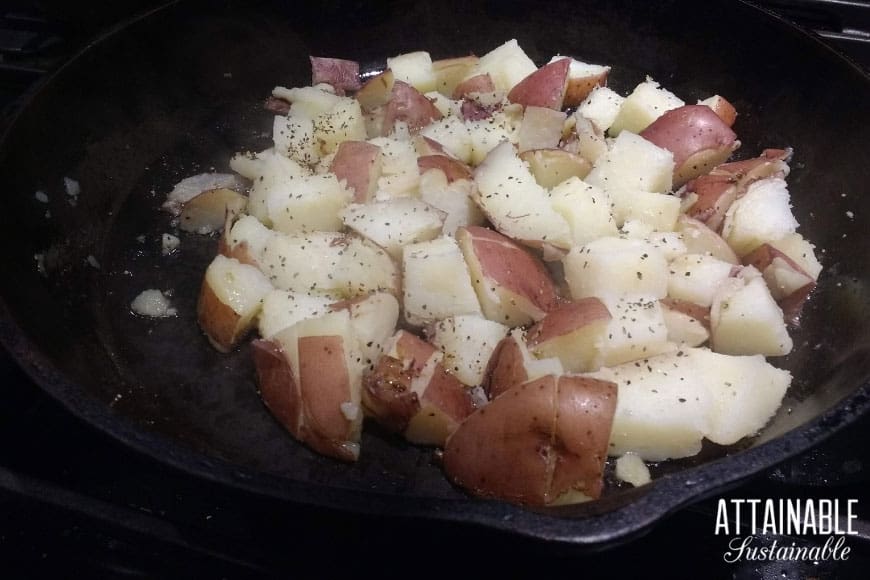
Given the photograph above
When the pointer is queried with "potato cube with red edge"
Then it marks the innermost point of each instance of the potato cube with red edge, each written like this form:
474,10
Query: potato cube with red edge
307,204
410,392
359,164
229,301
535,442
582,79
342,74
436,283
414,68
513,286
515,204
688,324
700,239
789,283
373,318
410,106
467,342
543,88
763,214
573,332
453,136
208,211
722,107
400,176
646,103
310,378
507,65
745,319
616,266
635,331
697,137
512,364
449,72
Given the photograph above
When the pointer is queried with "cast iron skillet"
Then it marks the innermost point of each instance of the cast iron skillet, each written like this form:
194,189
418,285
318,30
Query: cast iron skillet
177,92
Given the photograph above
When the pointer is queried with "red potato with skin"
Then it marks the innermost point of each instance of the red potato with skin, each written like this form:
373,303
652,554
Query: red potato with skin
545,87
376,91
409,105
449,72
359,163
476,84
572,333
723,108
453,169
789,284
276,105
513,286
208,211
512,364
579,86
342,74
410,392
536,442
698,138
716,191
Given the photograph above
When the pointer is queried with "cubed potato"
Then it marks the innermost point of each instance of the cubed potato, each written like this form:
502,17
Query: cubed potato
307,204
283,308
745,319
400,176
616,266
454,198
276,170
453,135
376,91
659,211
636,330
308,102
467,342
208,211
697,277
647,102
541,129
553,166
586,208
437,283
601,107
513,286
763,214
583,78
724,109
359,164
507,65
515,204
394,223
545,87
684,329
572,332
631,164
414,68
450,72
229,301
513,364
699,239
486,134
343,122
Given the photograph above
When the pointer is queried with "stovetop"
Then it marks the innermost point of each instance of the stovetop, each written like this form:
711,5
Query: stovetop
74,501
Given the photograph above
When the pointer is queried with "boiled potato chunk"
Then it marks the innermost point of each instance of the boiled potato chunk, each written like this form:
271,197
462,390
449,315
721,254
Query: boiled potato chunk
467,342
229,301
586,208
394,223
601,107
644,105
436,282
359,164
282,309
453,198
512,364
633,163
307,204
745,319
208,211
541,129
414,68
763,214
616,266
545,87
507,65
696,277
573,332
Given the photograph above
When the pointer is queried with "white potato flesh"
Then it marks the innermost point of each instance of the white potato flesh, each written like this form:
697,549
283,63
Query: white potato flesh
275,170
541,128
453,135
307,102
683,329
487,134
700,239
506,65
762,215
294,138
668,404
631,469
697,277
307,204
647,102
414,68
455,199
436,282
400,176
783,280
633,163
282,309
746,320
801,251
514,202
601,107
658,210
535,367
586,208
374,320
468,342
636,330
590,143
616,266
328,263
394,223
250,232
344,122
670,244
242,287
249,164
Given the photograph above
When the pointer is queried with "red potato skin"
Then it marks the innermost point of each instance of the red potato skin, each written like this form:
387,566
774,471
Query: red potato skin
446,393
474,111
324,385
387,394
545,87
584,419
535,441
476,84
566,318
696,311
413,349
409,105
513,269
356,162
579,88
218,321
686,131
278,389
276,105
342,74
505,368
376,91
791,305
725,110
452,168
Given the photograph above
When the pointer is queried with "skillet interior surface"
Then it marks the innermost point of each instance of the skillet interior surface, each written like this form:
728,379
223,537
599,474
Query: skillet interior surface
178,92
